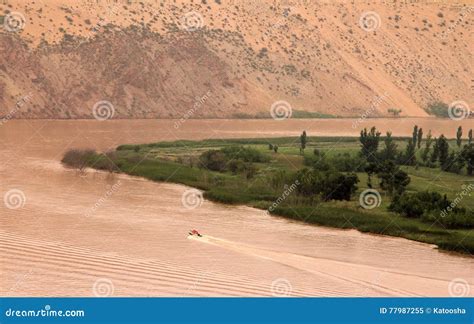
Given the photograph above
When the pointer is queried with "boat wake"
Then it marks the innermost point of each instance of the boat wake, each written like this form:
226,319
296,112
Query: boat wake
362,277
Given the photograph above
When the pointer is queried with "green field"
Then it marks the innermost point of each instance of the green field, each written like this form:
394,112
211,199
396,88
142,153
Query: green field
178,162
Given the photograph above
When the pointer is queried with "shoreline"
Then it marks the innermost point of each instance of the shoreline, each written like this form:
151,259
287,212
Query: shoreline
249,128
229,190
435,246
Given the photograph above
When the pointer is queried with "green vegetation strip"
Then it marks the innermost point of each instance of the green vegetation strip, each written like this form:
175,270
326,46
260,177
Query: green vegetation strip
262,172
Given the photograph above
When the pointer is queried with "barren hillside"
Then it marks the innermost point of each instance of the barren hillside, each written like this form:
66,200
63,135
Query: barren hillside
218,58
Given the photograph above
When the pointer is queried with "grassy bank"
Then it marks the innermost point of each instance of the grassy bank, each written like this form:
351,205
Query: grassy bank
266,180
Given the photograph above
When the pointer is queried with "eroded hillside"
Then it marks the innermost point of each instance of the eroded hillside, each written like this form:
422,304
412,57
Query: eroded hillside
211,58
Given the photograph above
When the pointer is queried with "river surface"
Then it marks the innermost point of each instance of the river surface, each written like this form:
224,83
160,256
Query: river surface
86,234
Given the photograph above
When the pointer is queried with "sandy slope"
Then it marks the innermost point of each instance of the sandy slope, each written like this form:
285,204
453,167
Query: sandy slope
313,54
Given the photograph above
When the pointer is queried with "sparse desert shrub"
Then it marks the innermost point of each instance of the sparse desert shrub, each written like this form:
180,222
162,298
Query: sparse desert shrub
438,108
236,166
330,185
318,162
245,154
415,204
214,160
346,162
338,186
459,218
78,158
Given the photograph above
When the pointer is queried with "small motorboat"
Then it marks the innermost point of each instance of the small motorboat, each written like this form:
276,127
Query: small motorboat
194,232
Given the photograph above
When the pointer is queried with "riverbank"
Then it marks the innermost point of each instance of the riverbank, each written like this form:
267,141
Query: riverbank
267,187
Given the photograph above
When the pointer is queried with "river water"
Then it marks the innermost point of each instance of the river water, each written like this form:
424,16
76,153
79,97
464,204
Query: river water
86,234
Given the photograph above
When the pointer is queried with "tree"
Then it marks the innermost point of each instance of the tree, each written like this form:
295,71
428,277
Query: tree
236,166
371,168
396,112
415,135
439,109
392,178
213,160
329,184
426,151
338,186
249,170
416,204
420,136
307,182
469,141
435,154
410,158
303,140
467,154
454,163
400,180
369,143
275,148
443,147
270,146
459,136
390,150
